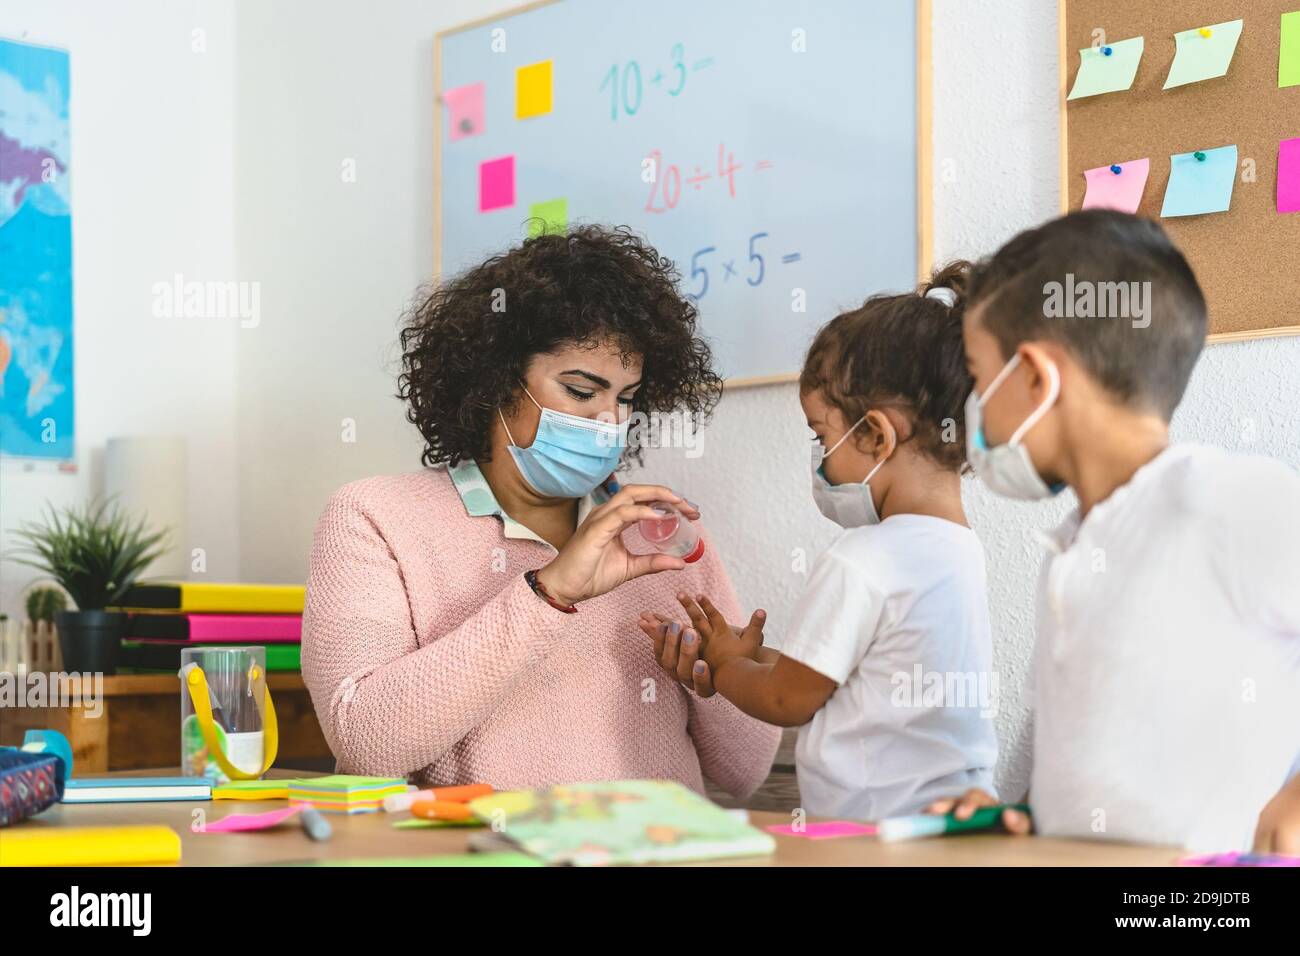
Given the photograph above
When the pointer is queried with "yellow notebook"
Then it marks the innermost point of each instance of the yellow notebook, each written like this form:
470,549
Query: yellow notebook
216,598
88,846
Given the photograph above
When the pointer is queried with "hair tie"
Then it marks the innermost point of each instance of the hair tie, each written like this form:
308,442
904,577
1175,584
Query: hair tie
944,294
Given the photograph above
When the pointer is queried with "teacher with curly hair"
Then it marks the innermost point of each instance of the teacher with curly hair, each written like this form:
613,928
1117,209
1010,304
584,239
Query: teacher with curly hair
477,621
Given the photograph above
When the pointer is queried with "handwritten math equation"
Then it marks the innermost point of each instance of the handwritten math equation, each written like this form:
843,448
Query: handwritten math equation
752,270
627,84
666,182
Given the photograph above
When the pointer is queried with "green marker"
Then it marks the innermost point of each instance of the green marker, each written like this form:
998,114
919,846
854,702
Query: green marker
933,824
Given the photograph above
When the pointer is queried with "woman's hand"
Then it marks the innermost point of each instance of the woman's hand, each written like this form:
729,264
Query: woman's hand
678,652
595,561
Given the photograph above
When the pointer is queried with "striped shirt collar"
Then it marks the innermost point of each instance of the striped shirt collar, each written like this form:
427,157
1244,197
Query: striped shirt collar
476,495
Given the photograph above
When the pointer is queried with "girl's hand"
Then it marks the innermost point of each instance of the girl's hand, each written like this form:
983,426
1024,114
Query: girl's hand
970,801
595,561
1278,830
678,652
723,641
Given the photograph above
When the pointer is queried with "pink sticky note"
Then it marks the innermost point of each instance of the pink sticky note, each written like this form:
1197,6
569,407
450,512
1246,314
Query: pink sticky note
826,831
1108,189
246,822
1288,175
496,184
465,110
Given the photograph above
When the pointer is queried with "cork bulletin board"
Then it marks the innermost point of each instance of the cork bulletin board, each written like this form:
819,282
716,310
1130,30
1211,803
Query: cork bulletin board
1248,258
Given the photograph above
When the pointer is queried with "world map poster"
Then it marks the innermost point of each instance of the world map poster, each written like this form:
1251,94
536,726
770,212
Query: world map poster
36,384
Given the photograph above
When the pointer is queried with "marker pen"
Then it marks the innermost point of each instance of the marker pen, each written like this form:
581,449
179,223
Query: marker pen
397,802
933,824
429,809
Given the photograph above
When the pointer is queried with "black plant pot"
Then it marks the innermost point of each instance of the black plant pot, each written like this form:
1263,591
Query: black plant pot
91,640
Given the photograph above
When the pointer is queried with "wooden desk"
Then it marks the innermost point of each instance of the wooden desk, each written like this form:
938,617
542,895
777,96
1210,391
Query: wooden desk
141,719
372,835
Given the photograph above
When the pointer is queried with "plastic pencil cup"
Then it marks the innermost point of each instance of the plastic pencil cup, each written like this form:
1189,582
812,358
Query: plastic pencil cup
228,727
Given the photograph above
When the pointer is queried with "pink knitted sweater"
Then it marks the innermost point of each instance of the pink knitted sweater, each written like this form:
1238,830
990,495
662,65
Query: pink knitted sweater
428,656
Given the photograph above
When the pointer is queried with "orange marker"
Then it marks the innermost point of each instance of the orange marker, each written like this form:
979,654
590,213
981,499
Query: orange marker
440,809
461,794
397,802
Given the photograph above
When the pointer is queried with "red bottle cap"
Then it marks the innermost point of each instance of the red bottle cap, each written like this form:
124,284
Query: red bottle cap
696,554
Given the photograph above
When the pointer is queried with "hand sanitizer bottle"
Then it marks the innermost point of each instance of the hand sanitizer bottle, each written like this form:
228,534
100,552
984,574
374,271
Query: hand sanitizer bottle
672,533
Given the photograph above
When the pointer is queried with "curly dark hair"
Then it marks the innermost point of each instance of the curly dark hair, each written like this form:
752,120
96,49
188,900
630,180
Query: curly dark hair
467,343
903,351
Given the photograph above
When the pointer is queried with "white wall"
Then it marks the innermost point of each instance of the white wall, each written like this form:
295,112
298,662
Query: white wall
152,127
338,261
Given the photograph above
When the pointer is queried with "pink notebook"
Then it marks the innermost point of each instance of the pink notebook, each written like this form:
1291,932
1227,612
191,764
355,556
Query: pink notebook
219,628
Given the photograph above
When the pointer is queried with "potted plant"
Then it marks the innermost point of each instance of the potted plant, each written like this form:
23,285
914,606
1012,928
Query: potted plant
94,554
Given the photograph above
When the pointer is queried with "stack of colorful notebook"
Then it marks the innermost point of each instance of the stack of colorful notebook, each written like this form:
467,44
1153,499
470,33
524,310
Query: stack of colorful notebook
167,618
343,793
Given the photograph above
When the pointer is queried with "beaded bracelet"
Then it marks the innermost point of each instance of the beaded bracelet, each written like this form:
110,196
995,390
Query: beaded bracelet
540,590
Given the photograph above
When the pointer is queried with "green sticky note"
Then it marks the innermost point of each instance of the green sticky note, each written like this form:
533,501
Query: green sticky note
1288,58
1203,53
1107,69
418,823
548,218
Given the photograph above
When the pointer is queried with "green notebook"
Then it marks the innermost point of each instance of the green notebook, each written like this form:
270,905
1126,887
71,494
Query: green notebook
623,821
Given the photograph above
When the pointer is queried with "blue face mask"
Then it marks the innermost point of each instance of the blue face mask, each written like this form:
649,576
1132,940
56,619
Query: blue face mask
570,455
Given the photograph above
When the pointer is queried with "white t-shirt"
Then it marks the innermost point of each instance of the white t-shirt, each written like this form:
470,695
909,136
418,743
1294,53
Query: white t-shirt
1166,677
896,614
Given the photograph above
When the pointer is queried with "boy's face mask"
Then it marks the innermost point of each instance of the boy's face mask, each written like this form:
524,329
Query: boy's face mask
570,455
1007,469
849,505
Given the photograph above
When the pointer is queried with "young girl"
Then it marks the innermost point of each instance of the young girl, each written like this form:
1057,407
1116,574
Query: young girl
888,667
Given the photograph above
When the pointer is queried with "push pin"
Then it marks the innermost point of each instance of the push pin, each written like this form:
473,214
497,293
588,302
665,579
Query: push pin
1200,157
1106,51
1116,169
1206,32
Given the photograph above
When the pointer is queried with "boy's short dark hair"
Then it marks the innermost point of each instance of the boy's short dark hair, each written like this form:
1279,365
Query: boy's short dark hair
1024,293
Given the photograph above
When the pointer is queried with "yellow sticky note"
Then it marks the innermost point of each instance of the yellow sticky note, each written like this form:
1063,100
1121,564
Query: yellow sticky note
533,90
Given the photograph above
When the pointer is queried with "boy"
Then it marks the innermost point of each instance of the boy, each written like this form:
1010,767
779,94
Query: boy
1166,675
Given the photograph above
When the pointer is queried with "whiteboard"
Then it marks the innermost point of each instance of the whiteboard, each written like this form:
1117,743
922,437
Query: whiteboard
787,144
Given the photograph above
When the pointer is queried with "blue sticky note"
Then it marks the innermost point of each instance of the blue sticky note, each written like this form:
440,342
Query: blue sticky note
1198,186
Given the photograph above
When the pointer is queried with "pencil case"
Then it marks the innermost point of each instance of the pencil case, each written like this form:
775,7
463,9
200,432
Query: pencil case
29,783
